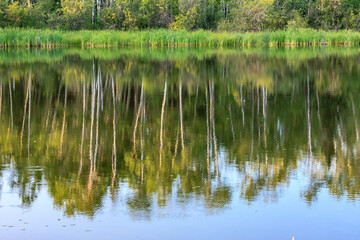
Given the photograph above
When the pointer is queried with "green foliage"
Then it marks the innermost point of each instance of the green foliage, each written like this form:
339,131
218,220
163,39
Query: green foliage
297,21
96,38
223,15
187,20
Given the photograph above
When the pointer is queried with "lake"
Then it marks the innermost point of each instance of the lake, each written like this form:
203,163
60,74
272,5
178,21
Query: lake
180,143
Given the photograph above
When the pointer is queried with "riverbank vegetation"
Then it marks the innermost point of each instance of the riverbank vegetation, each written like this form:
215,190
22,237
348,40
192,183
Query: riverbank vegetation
168,38
227,15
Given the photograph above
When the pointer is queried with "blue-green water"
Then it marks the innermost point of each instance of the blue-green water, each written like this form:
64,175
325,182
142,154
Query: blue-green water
180,143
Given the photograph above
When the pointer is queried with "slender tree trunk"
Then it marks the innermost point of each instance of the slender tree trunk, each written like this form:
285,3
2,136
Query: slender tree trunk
242,106
56,107
355,119
231,123
137,116
98,3
11,108
97,116
29,118
0,98
196,98
181,117
113,165
82,131
162,120
207,132
64,123
24,116
308,120
93,12
212,119
264,94
93,94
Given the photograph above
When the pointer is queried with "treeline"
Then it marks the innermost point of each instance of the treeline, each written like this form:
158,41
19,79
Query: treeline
223,15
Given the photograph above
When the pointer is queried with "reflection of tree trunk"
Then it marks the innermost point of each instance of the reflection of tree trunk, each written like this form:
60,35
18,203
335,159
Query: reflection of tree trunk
264,93
308,120
252,121
258,115
181,117
97,116
142,129
137,116
318,109
176,147
56,107
242,106
212,119
11,108
355,119
231,123
162,120
113,165
29,119
207,132
93,94
0,98
82,131
196,99
24,116
128,99
63,124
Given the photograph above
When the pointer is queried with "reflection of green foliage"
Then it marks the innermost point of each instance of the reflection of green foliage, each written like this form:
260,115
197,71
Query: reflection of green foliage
259,116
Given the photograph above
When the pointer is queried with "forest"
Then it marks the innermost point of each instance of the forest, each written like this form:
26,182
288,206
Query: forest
220,15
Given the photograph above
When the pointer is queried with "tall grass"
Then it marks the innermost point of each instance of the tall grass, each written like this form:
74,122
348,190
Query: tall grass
52,55
54,38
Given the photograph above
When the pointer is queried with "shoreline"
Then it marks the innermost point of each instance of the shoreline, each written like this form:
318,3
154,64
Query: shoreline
32,38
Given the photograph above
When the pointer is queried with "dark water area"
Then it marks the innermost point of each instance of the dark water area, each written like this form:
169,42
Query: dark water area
187,143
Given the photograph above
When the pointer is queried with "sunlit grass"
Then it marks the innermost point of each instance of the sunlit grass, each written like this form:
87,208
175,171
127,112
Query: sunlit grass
55,38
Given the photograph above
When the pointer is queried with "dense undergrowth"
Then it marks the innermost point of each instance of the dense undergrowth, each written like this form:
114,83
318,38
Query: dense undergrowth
105,38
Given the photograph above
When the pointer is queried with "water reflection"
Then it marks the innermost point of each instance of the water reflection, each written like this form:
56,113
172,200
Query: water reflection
194,129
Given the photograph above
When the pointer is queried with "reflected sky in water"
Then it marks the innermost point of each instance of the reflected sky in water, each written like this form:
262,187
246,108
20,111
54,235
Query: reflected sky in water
180,143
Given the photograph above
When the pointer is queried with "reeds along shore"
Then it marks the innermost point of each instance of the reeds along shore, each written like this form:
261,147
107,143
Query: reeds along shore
167,38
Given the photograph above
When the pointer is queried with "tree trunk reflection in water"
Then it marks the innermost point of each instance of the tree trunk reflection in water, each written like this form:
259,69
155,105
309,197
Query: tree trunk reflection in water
0,99
264,93
82,130
113,165
231,123
11,109
91,155
207,132
196,99
162,120
212,120
63,124
242,106
142,134
24,116
176,147
182,133
97,116
355,119
308,121
93,94
56,107
29,117
137,117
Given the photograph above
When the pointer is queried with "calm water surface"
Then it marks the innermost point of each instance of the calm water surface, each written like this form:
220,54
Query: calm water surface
180,143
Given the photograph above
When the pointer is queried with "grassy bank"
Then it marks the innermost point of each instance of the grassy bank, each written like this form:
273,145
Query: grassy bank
31,56
54,38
